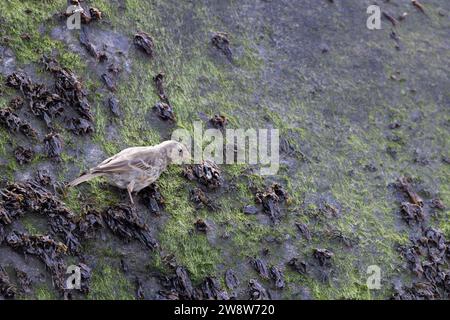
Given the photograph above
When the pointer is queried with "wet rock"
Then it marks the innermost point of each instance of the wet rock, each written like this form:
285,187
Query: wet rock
323,256
298,266
260,267
221,42
277,276
152,199
218,121
201,200
249,209
13,123
304,230
164,111
124,222
49,251
7,289
85,42
201,226
231,280
206,173
257,291
145,43
53,146
23,155
270,200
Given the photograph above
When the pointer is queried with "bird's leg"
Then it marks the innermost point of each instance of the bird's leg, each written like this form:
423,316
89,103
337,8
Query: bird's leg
130,190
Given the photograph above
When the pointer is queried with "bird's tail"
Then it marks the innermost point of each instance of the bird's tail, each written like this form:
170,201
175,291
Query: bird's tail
83,178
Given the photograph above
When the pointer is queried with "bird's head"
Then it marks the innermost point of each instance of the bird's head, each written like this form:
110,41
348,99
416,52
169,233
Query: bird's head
177,153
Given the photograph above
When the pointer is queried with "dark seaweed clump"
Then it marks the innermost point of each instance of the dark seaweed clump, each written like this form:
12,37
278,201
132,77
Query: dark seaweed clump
42,102
207,173
179,287
145,43
7,289
123,221
270,200
13,123
49,251
221,41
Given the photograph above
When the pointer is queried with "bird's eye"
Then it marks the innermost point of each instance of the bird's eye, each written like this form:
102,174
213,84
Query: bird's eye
180,151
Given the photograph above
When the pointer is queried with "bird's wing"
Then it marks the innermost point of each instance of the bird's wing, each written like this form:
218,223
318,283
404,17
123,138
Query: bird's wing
127,161
123,155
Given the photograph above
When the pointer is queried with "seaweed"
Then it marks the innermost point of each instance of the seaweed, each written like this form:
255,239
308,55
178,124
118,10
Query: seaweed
23,280
257,291
210,290
277,275
48,250
91,49
304,230
53,146
7,289
113,104
159,84
145,43
178,286
206,173
69,87
221,42
152,199
109,82
79,126
270,199
231,279
218,121
164,111
42,102
123,221
201,226
404,184
260,267
298,266
23,155
201,200
323,256
13,123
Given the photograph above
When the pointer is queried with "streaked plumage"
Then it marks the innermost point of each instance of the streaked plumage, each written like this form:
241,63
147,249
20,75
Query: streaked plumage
137,167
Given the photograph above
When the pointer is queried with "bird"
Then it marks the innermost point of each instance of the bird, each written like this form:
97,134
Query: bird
135,168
